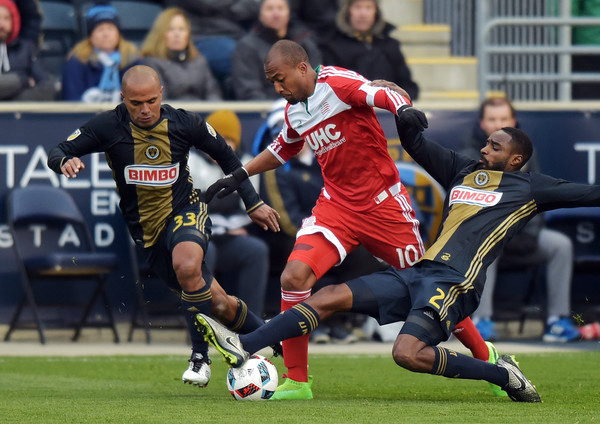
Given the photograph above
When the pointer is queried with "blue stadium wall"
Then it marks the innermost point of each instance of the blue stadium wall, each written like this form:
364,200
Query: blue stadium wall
567,142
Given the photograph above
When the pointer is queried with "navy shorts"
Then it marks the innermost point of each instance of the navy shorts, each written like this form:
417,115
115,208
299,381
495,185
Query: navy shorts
391,295
190,224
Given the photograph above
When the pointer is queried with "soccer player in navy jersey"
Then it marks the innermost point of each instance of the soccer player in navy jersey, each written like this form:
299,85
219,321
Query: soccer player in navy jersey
147,145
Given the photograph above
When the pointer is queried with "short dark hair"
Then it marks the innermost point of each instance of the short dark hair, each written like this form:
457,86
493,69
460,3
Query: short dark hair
496,101
291,52
521,141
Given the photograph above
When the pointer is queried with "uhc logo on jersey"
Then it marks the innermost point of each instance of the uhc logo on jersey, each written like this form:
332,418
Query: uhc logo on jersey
323,138
149,175
470,196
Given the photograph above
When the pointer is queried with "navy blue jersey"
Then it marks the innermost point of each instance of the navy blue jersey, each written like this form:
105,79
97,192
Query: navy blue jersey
150,165
484,208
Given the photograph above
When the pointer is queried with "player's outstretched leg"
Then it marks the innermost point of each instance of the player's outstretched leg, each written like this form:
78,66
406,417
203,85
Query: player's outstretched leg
492,359
519,388
225,341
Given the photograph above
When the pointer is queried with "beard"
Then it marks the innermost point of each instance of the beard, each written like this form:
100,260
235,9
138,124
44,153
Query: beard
492,166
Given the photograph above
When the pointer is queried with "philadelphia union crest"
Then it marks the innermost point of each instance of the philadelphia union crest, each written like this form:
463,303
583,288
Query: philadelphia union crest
482,178
152,152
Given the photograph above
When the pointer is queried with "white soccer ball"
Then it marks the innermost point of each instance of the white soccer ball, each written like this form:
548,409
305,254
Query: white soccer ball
255,379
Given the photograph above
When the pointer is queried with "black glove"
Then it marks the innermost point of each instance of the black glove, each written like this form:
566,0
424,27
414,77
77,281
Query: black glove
226,185
411,117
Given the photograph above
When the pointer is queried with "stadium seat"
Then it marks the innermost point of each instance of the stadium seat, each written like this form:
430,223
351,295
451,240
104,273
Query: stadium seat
57,257
582,225
520,291
60,29
136,18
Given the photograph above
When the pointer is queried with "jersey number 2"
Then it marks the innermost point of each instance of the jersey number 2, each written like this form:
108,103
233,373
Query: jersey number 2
434,299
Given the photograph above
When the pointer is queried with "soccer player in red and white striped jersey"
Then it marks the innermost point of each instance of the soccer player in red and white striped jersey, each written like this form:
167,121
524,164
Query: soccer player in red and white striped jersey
362,201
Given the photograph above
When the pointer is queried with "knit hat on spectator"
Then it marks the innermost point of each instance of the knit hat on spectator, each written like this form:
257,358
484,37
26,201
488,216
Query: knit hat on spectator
99,13
16,19
227,123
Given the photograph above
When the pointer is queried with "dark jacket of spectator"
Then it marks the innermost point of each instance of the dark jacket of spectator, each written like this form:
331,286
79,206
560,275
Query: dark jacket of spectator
185,79
374,56
317,15
21,75
218,17
31,20
248,77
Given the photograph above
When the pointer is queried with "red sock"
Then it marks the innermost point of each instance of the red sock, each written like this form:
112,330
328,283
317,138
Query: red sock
468,335
295,350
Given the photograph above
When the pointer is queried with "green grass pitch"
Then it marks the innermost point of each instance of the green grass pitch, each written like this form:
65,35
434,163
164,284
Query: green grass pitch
347,389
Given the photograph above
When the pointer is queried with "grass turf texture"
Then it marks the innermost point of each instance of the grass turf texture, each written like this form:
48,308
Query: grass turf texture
358,389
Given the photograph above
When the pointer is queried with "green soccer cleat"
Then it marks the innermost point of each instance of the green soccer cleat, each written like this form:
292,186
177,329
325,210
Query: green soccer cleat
493,358
294,390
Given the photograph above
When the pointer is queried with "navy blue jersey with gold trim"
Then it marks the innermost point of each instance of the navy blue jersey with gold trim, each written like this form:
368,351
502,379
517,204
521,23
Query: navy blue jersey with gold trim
484,208
150,165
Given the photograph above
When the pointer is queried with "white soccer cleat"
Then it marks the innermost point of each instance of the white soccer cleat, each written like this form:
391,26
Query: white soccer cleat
198,372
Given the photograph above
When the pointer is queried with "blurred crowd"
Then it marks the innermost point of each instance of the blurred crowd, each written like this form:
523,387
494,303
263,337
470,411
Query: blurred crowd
202,49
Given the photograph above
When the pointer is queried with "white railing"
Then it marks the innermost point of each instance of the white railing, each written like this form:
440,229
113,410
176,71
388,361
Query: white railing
529,57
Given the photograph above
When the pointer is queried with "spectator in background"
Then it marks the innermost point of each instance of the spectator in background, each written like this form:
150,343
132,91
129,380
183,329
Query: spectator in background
248,78
532,243
217,25
31,21
585,36
317,15
21,75
96,64
361,41
184,72
239,260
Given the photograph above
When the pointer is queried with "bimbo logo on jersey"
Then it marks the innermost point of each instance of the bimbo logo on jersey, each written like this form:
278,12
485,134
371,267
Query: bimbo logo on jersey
322,136
150,175
470,196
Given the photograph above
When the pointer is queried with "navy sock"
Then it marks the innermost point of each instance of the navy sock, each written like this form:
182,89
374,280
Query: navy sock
245,321
199,301
299,320
456,365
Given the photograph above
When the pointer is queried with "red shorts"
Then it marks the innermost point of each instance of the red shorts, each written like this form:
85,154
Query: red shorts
389,231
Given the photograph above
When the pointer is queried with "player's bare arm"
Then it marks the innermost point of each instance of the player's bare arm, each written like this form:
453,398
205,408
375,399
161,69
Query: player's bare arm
265,217
70,168
390,85
264,161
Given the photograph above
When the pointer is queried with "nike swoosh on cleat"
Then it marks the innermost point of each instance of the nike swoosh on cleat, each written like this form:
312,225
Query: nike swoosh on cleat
228,340
523,385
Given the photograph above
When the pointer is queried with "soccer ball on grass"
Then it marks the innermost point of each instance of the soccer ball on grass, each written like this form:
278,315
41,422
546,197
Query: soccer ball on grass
255,379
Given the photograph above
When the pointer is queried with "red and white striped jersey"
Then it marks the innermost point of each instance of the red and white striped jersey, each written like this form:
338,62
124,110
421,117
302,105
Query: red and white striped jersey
339,124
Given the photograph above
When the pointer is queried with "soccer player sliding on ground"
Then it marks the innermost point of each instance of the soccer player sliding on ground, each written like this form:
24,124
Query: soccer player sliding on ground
488,201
